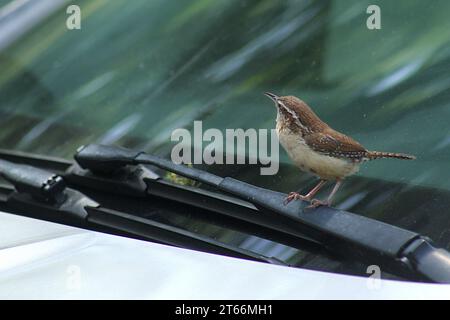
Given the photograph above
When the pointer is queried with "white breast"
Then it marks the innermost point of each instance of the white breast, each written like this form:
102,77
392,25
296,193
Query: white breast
308,160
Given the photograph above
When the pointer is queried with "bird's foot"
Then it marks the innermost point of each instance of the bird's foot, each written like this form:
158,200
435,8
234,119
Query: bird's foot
317,203
295,196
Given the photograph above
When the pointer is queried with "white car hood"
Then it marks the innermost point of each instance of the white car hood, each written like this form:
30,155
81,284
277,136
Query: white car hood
42,260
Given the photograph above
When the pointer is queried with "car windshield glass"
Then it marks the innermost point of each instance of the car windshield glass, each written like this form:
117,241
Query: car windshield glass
138,70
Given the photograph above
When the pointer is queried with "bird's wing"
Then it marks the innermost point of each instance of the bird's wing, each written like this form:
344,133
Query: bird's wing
335,144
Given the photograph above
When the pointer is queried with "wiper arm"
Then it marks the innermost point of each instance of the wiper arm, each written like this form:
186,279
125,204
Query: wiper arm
43,194
398,250
39,183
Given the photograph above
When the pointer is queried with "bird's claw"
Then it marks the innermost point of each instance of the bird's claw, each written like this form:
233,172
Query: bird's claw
317,203
295,196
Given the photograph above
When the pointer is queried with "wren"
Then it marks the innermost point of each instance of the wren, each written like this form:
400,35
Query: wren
316,148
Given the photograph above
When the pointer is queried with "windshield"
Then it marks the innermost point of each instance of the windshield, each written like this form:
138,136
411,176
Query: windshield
138,70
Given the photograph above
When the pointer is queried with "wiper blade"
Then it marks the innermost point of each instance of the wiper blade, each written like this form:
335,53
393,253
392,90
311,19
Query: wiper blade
400,251
44,194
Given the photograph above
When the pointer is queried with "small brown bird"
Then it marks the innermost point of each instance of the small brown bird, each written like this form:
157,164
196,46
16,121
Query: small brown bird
316,148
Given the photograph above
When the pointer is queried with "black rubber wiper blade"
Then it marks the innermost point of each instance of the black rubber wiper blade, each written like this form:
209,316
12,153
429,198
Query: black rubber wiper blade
142,182
166,234
43,194
401,251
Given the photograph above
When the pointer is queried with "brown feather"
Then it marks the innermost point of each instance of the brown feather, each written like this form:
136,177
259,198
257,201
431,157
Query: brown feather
335,144
322,138
305,114
377,154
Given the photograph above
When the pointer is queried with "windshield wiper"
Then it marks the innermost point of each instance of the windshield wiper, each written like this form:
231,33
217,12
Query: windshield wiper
416,259
44,194
397,250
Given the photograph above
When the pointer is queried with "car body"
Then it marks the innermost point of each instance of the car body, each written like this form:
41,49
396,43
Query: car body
44,260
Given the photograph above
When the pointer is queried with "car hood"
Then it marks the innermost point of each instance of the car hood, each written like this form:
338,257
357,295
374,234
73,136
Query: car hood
43,260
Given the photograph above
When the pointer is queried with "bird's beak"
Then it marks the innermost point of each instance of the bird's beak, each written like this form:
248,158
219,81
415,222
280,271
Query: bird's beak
272,96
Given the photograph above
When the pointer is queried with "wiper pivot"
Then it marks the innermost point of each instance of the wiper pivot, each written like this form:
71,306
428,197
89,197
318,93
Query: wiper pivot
105,159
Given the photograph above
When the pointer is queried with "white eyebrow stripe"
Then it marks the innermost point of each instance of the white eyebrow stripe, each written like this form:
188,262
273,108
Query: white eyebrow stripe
293,114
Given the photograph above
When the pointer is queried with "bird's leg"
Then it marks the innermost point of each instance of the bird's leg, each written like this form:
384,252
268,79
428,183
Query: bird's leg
314,190
316,203
295,195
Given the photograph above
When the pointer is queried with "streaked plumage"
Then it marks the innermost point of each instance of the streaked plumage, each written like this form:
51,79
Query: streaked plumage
317,148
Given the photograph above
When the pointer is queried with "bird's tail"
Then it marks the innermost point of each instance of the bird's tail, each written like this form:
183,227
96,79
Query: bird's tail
377,154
